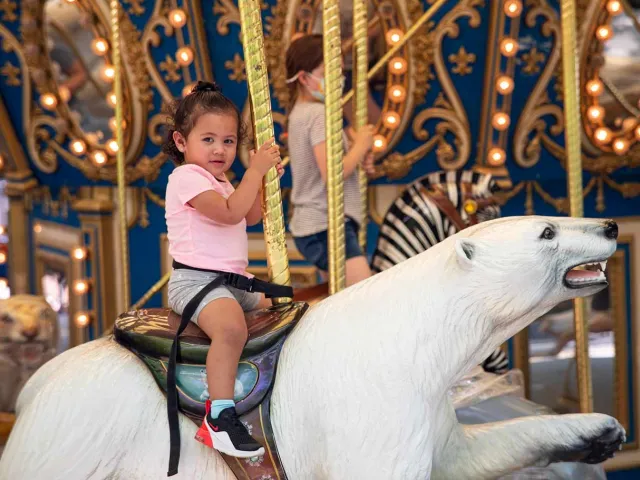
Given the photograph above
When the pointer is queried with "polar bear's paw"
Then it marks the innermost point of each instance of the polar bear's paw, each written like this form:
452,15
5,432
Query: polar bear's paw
600,444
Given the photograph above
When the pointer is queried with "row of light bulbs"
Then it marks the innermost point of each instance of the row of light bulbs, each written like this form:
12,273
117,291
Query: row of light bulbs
595,88
396,93
504,84
80,286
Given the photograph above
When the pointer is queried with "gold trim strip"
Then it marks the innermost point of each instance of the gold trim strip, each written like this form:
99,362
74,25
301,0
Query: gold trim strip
122,210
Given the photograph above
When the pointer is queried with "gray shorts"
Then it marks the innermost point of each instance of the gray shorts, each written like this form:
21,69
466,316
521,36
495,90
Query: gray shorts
185,284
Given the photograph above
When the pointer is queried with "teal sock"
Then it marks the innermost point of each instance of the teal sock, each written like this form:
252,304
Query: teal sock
219,405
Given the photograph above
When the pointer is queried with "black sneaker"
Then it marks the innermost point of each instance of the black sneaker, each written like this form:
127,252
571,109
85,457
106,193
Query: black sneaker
227,434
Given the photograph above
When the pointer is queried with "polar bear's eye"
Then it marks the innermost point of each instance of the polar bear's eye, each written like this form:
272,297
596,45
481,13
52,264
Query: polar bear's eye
548,234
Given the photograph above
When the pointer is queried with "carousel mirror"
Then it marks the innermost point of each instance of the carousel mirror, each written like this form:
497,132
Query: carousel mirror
82,72
81,67
68,51
612,65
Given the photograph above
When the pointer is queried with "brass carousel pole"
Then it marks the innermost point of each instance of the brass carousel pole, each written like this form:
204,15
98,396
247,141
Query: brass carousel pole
361,87
332,53
258,82
122,210
570,83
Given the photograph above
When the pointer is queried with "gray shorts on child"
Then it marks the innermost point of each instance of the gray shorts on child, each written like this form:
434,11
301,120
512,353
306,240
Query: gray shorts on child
185,284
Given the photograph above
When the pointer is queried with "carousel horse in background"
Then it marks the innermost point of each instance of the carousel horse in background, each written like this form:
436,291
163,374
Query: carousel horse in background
431,209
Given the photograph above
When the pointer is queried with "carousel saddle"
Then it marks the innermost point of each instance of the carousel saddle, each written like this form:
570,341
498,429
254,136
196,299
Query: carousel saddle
150,333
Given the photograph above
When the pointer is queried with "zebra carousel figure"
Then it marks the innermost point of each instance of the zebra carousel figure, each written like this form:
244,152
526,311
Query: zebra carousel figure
431,209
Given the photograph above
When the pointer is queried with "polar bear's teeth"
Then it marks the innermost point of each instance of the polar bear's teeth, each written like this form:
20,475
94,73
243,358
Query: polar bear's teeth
603,266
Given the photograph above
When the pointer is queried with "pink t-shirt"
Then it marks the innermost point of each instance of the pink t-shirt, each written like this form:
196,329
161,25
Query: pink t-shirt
195,239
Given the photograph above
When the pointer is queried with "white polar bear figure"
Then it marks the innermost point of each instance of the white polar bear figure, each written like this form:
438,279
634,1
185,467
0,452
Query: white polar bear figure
362,381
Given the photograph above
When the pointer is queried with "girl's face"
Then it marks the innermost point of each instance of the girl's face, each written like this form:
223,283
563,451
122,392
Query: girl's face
212,143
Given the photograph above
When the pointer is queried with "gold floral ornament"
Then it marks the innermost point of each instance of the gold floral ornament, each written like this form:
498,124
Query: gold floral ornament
8,9
12,73
532,60
462,61
136,7
171,69
237,67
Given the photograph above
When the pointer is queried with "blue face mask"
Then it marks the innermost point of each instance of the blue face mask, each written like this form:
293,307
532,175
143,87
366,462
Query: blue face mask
319,94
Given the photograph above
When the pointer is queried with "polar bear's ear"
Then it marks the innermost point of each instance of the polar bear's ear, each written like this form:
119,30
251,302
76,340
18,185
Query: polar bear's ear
465,251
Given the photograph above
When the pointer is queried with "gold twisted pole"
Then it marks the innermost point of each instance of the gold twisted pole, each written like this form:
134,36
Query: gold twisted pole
332,55
122,210
396,48
570,83
360,57
258,81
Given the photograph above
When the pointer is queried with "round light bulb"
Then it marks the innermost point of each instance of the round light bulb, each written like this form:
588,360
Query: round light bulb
501,121
4,283
112,146
37,228
99,46
3,258
509,47
614,7
504,85
620,146
594,87
379,143
65,93
3,229
82,319
78,147
108,73
187,90
512,8
604,32
397,93
79,253
602,134
184,56
113,123
595,112
496,156
112,99
391,120
99,157
177,18
398,65
394,35
48,101
81,287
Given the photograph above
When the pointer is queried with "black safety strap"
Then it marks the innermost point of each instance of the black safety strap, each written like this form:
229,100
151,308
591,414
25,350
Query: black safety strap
225,278
172,388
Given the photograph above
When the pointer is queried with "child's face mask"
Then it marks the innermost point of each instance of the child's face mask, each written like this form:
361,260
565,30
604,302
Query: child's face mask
319,93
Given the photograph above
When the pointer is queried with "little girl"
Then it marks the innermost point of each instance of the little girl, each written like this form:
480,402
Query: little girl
206,226
307,151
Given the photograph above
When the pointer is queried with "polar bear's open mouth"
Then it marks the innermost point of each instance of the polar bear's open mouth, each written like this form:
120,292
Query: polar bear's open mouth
586,275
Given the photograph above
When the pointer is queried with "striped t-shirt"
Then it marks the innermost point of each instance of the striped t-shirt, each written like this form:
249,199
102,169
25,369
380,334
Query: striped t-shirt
309,192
